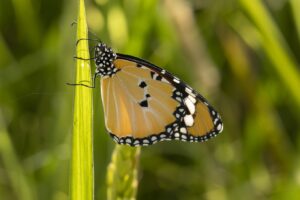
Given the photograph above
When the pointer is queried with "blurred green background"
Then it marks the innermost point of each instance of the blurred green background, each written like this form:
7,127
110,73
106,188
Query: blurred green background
242,55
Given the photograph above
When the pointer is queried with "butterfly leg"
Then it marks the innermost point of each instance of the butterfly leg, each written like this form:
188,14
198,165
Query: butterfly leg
89,39
83,58
81,84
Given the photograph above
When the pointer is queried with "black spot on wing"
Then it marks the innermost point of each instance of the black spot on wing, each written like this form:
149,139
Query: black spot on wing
158,78
152,74
142,84
144,103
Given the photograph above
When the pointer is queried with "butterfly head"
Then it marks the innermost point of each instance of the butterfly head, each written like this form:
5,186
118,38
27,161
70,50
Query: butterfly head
104,58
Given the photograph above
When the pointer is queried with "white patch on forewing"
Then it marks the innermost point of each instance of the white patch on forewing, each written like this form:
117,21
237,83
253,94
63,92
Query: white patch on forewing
192,99
190,105
188,120
189,91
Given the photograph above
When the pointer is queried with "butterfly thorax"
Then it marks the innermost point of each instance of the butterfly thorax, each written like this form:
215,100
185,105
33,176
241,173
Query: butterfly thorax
104,59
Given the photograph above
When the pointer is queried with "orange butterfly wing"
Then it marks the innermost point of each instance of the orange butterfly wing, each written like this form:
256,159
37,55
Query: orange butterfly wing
144,104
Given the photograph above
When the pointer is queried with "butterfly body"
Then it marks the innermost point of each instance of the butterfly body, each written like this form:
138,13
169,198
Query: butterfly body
144,104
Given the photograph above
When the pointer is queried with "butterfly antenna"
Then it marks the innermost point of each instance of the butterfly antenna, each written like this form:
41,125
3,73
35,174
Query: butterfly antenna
90,32
94,35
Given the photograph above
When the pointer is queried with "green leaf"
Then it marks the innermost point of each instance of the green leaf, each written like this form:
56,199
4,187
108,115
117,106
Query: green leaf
82,174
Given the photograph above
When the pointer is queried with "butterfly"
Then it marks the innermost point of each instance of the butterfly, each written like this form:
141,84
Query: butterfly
144,104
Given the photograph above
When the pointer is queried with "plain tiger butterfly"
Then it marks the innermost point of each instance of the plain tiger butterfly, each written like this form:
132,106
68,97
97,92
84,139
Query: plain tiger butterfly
144,104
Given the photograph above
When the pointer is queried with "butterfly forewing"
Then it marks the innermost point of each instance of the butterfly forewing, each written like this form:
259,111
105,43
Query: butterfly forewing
144,104
135,105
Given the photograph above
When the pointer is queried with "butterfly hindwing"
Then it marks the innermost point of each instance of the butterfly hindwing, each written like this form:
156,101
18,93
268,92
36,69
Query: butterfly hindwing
144,104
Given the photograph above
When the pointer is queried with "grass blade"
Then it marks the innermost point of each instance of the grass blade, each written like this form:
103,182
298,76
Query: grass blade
21,184
275,47
82,174
295,5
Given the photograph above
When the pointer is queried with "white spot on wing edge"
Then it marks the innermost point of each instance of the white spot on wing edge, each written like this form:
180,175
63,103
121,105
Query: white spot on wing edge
183,137
176,80
188,90
216,121
128,141
183,130
153,138
220,127
145,141
213,113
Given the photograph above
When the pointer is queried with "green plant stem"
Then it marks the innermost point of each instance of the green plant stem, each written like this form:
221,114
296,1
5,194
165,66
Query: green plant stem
122,173
82,174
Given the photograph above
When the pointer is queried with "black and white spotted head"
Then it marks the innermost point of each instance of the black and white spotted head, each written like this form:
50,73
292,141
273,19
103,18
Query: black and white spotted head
104,58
